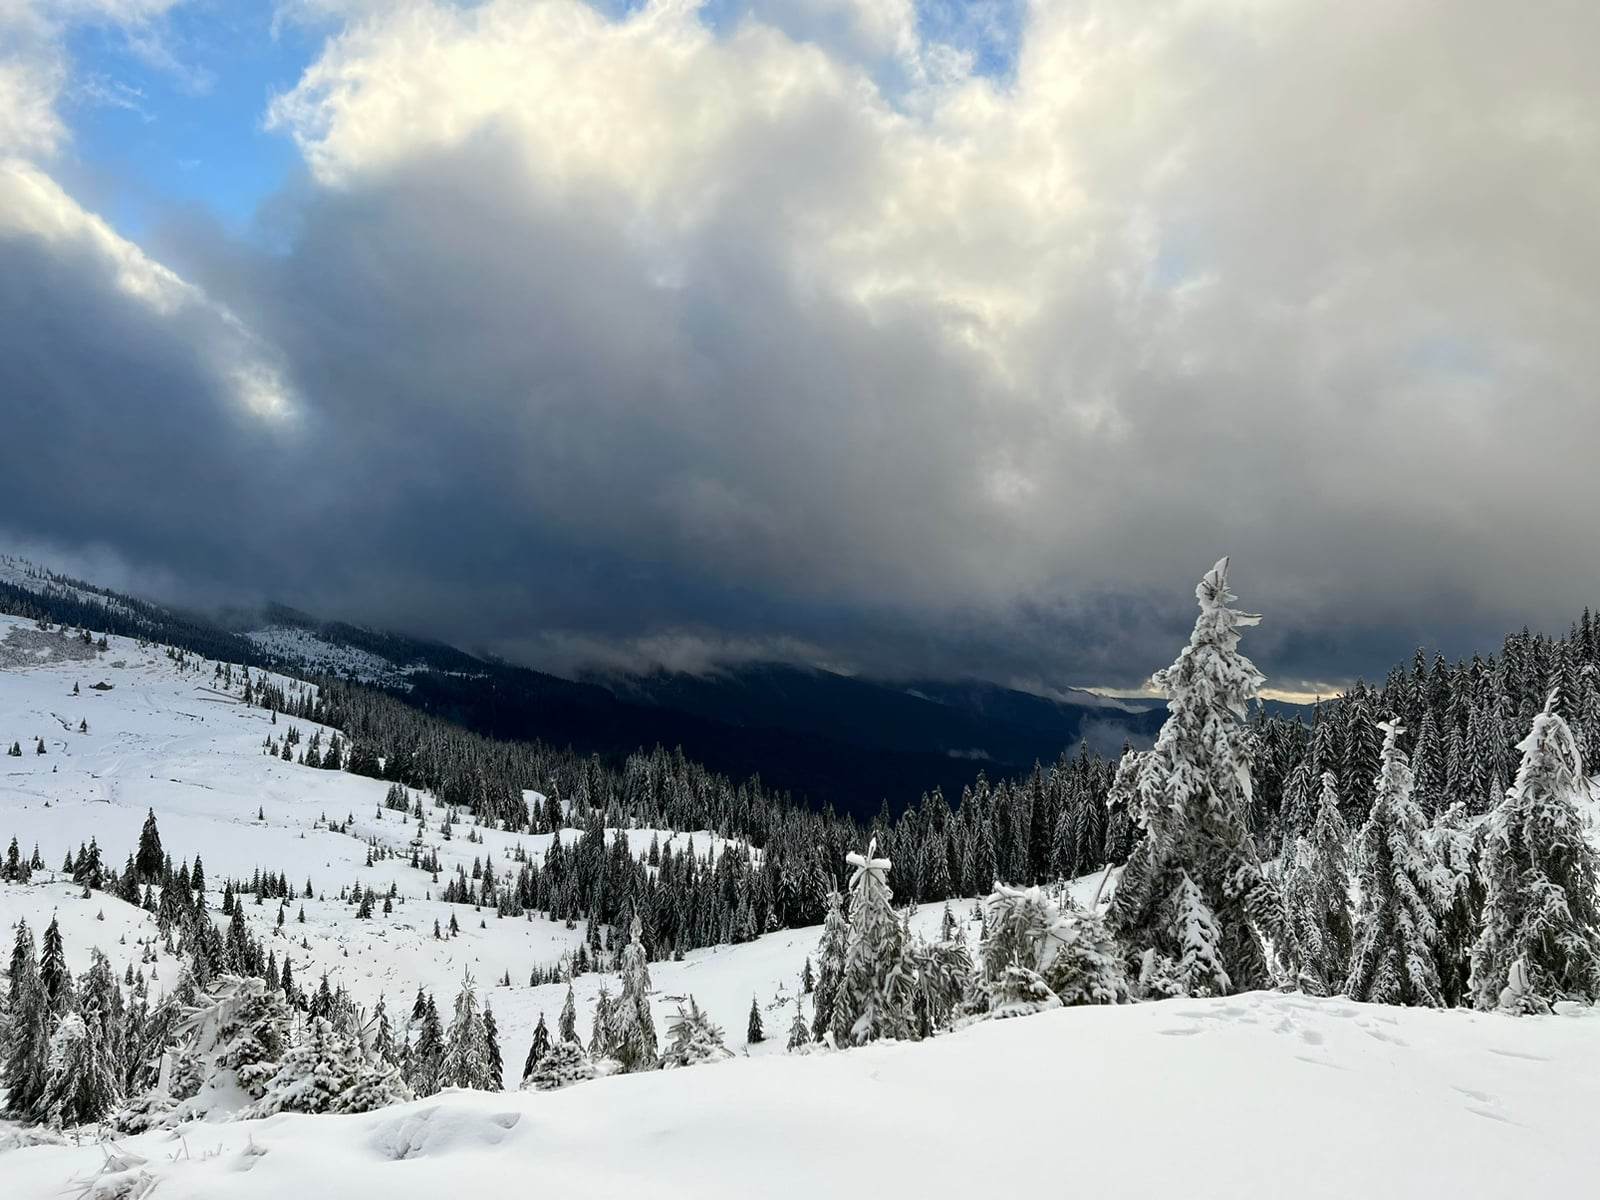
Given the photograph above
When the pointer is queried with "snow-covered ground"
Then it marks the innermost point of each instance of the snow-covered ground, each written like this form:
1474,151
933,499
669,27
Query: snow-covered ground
176,742
1256,1095
320,656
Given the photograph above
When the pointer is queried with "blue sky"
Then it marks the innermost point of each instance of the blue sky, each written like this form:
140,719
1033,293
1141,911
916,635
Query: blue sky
174,117
180,123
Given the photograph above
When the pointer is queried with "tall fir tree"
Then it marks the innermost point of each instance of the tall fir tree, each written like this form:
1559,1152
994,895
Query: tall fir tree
1395,958
1541,875
1193,907
466,1052
877,986
830,965
633,1027
537,1050
567,1026
1316,896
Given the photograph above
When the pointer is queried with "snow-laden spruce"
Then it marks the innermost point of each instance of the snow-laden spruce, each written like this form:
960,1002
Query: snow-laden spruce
1540,911
632,1032
1193,906
1316,899
830,965
1396,954
1037,957
696,1038
877,987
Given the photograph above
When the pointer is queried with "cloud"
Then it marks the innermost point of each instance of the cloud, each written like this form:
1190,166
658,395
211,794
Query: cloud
628,332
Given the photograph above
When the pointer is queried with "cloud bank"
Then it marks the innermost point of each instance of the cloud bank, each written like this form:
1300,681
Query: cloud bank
589,333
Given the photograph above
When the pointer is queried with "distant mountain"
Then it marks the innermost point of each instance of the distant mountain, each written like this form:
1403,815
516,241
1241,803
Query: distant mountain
1004,730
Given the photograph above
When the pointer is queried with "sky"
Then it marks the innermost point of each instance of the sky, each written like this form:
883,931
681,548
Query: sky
910,339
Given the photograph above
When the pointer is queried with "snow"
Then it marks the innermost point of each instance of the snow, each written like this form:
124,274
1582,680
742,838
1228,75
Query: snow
1252,1095
29,576
178,743
1261,1094
318,656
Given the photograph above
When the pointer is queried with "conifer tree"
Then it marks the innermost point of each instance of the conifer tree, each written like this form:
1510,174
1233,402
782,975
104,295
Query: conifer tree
539,1048
53,971
567,1025
494,1076
1541,875
695,1038
425,1065
1395,958
466,1053
830,965
79,1084
26,1044
600,1032
754,1034
1316,890
799,1031
632,1025
876,987
149,858
1456,844
1193,907
563,1065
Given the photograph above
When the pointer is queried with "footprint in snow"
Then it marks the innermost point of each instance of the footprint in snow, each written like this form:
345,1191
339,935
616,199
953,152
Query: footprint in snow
1518,1054
1187,1032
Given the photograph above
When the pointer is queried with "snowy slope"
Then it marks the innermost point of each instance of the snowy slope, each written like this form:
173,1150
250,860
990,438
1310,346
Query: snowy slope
179,744
319,656
1258,1095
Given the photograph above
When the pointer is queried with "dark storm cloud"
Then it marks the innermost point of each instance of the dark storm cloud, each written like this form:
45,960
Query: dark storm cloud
597,341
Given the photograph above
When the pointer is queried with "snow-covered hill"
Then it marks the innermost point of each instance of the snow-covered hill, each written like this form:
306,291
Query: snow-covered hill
175,742
1258,1095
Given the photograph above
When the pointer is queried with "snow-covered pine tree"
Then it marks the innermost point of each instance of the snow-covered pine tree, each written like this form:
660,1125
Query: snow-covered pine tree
1027,938
564,1064
232,1037
1193,908
830,965
1121,802
1316,895
1541,874
149,859
944,978
695,1037
80,1086
1395,956
799,1030
27,1035
567,1026
600,1032
877,986
1455,842
494,1076
325,1072
425,1063
53,971
633,1026
536,1051
754,1034
466,1051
